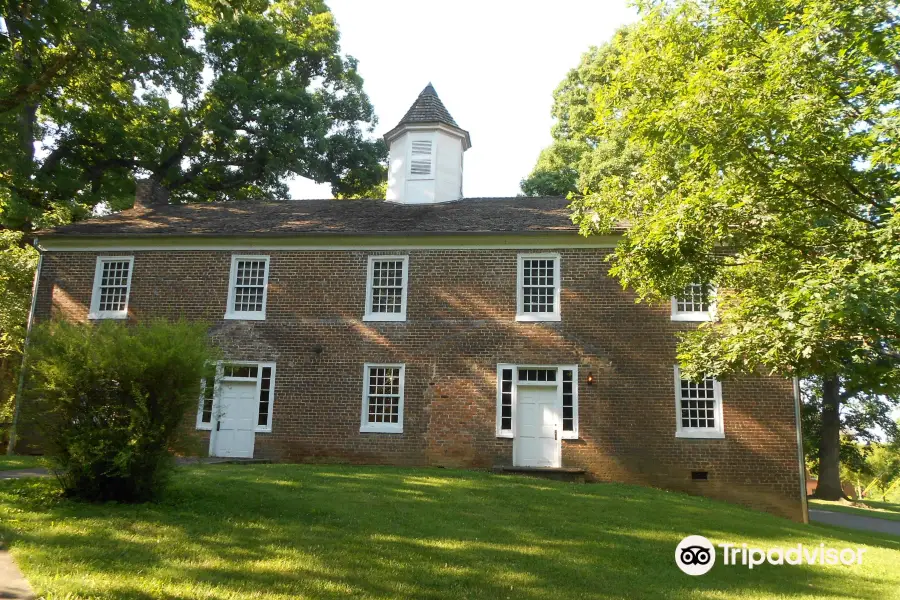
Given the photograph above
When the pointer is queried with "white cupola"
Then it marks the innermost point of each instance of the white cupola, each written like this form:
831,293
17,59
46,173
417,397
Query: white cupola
426,153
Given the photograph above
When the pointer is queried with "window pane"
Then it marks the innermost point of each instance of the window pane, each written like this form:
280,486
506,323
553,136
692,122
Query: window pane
695,298
249,285
207,392
506,383
698,403
114,285
387,286
384,395
568,401
537,375
538,285
265,388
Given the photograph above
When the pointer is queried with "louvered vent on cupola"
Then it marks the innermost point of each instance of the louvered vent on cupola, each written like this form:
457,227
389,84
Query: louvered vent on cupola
421,159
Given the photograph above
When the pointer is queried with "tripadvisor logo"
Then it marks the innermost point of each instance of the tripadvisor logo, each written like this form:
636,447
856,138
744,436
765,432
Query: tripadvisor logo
696,555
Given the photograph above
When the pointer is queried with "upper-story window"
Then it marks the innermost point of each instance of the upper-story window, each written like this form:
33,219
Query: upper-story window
695,303
421,158
248,288
698,407
538,288
386,284
112,286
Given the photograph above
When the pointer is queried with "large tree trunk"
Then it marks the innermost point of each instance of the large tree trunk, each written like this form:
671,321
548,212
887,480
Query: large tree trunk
829,486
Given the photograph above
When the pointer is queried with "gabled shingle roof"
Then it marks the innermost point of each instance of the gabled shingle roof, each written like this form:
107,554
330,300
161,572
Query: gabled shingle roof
428,108
300,217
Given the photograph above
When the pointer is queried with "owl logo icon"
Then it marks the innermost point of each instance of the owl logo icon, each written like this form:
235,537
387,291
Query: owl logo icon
695,555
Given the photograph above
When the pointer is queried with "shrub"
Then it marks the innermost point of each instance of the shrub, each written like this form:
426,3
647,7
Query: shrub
108,399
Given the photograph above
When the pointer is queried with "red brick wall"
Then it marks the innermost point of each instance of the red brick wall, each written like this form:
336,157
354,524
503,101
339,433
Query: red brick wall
460,324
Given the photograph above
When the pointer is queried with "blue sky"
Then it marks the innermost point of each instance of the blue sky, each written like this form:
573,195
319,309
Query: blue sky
494,63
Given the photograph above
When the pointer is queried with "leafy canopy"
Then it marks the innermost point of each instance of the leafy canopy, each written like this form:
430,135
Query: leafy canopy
767,132
578,154
215,100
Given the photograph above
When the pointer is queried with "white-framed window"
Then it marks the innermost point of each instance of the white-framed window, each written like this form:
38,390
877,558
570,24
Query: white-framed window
506,389
386,284
421,157
261,373
382,402
538,288
209,389
695,303
248,288
510,376
698,407
112,286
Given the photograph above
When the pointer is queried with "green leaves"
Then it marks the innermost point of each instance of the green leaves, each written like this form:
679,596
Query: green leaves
764,158
108,399
216,101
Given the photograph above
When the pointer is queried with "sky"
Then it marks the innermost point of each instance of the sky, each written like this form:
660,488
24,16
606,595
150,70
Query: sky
494,64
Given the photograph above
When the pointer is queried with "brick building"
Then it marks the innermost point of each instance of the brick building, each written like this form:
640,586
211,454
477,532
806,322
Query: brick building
429,330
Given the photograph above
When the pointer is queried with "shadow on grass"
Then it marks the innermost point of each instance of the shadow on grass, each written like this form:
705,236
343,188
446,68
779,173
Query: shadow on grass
332,531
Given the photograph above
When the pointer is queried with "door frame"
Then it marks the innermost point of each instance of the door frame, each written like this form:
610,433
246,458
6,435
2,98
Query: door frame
217,395
558,404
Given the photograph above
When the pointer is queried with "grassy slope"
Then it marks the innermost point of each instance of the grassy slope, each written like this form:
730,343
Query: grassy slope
284,531
877,510
11,463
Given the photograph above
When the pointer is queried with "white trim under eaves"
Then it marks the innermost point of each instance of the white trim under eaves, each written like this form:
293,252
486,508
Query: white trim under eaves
541,241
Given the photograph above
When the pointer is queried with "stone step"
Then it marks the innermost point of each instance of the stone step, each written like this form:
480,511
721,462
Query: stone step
573,475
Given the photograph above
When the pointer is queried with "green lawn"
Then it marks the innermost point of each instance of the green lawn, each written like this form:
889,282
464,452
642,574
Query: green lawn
869,508
287,531
11,463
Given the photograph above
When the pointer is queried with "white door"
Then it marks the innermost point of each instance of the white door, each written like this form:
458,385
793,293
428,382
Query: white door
537,442
237,414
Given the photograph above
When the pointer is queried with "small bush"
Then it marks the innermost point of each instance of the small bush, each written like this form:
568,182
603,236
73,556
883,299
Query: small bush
109,398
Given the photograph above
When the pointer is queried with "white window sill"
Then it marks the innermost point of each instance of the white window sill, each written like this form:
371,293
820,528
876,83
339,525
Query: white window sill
568,436
692,317
505,434
538,318
700,435
263,430
98,316
385,317
254,316
204,427
380,429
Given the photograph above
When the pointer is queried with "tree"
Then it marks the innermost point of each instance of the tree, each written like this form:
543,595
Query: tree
213,100
767,133
108,399
17,263
578,155
864,420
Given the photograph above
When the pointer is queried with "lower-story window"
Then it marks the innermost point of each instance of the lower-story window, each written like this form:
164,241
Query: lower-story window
259,375
563,378
382,406
698,407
